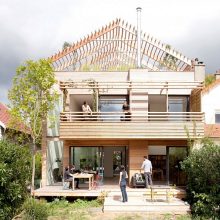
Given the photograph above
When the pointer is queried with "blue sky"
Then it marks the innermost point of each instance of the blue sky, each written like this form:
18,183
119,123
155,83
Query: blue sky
38,29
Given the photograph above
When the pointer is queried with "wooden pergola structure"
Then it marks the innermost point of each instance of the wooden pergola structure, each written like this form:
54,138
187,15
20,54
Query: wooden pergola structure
114,47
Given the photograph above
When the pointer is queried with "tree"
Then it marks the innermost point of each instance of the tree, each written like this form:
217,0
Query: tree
169,60
203,188
32,96
209,79
15,170
66,45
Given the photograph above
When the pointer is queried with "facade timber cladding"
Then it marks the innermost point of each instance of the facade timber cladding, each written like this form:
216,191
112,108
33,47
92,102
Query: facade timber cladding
101,70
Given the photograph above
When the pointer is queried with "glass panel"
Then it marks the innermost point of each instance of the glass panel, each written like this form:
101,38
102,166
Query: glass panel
176,175
54,161
159,167
54,116
117,162
177,104
217,118
111,104
88,159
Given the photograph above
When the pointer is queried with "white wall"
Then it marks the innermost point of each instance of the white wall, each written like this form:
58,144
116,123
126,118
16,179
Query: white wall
211,104
143,75
1,132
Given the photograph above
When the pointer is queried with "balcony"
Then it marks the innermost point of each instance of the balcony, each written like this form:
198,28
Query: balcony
118,125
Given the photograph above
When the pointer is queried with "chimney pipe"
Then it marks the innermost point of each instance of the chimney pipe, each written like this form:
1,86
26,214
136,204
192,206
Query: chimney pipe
139,37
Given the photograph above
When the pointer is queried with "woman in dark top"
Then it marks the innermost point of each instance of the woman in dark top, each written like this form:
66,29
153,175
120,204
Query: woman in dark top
125,106
122,183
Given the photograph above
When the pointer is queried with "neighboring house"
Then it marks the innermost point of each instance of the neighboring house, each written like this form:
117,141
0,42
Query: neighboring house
163,95
211,108
9,129
4,119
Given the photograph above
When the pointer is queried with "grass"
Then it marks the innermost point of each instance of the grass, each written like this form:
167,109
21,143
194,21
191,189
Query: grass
61,209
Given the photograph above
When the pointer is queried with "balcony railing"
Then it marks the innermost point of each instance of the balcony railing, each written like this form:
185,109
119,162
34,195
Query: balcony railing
121,125
134,117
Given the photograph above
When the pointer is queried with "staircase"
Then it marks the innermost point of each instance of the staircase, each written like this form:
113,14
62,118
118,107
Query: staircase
139,200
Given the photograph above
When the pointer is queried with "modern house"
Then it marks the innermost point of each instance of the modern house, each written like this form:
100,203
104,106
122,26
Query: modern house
211,108
115,64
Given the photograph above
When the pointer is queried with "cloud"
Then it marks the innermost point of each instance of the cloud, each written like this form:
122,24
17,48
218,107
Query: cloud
38,29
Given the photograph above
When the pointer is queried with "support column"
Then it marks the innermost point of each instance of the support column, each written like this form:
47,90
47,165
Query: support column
65,154
137,150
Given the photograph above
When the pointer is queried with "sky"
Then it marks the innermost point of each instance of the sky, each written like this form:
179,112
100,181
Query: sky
34,29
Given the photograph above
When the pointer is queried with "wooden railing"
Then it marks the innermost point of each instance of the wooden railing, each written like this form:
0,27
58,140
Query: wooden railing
132,116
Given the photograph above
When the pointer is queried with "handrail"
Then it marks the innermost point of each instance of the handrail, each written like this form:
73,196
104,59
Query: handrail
131,85
132,116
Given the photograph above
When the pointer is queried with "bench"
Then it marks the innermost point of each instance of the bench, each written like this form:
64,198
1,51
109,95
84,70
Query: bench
160,191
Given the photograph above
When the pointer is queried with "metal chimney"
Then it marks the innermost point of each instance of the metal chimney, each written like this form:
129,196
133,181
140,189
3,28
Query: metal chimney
139,37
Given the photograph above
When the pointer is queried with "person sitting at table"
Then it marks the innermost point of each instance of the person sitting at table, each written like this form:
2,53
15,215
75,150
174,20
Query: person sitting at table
73,170
68,177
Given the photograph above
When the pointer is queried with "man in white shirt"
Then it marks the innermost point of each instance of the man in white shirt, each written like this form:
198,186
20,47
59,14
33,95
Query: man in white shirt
147,166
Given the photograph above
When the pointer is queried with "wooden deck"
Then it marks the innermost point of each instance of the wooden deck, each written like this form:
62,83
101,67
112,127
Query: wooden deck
108,187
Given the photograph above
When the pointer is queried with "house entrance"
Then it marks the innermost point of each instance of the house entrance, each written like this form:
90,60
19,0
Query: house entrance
105,160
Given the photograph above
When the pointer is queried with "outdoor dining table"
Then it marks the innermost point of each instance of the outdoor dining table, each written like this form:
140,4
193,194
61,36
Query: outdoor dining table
84,176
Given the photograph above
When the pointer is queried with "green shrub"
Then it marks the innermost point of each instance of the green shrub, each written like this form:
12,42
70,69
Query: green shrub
15,170
35,210
203,188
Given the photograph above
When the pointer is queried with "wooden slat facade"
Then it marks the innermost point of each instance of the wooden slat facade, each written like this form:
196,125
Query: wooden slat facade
130,130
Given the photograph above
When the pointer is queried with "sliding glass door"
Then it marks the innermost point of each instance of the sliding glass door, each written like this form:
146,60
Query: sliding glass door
88,158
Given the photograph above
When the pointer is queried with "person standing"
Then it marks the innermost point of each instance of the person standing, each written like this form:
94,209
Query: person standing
123,183
127,113
147,166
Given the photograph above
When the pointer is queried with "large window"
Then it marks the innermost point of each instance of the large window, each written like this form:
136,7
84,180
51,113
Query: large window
86,158
217,117
178,104
111,104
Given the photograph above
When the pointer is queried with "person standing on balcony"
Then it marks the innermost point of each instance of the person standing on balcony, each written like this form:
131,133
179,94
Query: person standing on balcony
125,108
123,183
147,166
86,109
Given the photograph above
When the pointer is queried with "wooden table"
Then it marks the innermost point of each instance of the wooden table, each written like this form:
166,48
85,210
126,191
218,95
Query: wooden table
84,176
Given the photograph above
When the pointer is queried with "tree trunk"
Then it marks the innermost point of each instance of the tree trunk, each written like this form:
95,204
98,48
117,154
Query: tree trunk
33,167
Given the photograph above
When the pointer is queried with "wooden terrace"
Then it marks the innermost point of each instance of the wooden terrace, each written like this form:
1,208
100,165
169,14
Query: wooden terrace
110,186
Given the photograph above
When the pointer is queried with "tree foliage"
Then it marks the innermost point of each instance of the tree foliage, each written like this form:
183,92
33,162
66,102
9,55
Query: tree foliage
209,79
66,45
32,96
15,170
203,188
169,61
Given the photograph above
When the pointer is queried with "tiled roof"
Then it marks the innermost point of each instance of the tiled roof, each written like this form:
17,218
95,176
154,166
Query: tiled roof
211,86
4,114
5,119
212,130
